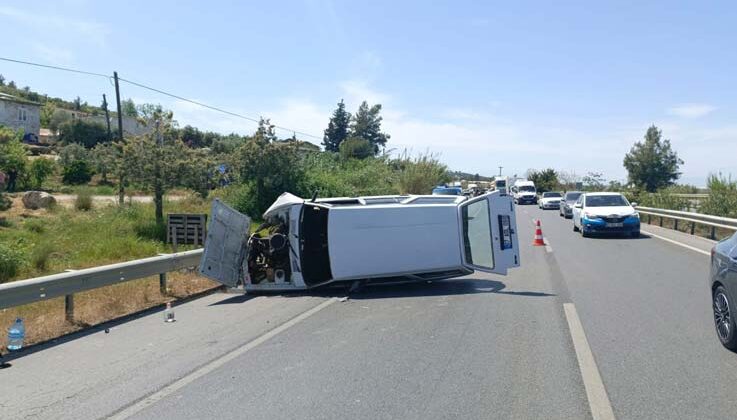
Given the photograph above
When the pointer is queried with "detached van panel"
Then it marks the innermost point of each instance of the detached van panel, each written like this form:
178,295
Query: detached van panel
376,241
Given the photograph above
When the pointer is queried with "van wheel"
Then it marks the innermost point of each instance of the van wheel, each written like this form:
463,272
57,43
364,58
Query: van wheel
575,228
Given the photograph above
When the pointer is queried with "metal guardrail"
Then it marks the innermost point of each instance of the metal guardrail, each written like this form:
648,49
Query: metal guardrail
66,284
693,218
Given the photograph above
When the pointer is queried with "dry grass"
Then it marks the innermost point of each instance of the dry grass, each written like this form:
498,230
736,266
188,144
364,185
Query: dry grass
45,320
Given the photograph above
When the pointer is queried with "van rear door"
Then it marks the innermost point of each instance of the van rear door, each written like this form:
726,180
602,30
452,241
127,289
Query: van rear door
489,233
226,244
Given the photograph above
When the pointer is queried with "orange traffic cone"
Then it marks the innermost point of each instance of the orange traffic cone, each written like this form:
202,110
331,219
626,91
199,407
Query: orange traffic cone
538,235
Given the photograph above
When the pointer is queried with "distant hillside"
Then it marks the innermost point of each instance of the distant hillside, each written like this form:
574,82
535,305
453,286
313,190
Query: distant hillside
458,175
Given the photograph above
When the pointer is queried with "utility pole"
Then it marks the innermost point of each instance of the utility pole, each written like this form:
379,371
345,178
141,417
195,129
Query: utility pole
500,170
107,117
121,176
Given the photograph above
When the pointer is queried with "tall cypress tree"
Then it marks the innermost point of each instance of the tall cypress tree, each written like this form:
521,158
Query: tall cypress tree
337,130
366,124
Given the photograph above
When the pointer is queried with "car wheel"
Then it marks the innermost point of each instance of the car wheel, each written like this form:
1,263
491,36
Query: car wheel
635,234
724,318
575,228
583,232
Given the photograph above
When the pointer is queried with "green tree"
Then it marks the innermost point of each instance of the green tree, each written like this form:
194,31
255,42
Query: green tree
58,117
83,132
652,164
265,133
2,80
545,180
13,160
269,169
12,85
366,124
593,181
356,148
39,170
338,128
105,158
72,152
128,108
47,111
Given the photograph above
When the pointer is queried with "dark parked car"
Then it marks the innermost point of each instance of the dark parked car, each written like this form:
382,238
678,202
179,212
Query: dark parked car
566,204
724,290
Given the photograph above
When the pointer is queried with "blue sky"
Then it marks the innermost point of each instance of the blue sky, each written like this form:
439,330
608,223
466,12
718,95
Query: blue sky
569,85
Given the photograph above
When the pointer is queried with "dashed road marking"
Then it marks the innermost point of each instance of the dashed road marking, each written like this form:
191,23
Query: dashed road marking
601,407
692,248
215,364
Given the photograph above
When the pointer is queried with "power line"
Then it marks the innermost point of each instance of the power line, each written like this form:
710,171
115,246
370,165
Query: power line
234,114
215,108
55,67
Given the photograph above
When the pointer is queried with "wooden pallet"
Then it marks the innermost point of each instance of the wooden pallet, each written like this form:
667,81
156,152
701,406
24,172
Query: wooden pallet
186,229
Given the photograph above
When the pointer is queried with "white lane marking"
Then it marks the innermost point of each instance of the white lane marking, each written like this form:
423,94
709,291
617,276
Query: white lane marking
601,408
215,364
692,248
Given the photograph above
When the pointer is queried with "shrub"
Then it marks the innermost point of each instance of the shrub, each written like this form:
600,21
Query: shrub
5,222
419,175
83,202
40,170
35,225
240,197
151,230
5,202
10,262
722,200
83,132
77,172
41,254
356,148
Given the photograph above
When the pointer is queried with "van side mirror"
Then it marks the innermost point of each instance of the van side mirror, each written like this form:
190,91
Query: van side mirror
634,204
577,205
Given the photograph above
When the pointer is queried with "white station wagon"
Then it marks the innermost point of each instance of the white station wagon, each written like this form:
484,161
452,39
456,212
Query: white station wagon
308,243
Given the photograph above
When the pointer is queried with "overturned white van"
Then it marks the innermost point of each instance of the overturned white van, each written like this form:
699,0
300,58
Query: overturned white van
308,243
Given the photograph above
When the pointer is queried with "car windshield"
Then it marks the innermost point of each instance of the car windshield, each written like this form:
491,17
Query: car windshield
551,194
526,188
477,234
606,201
573,196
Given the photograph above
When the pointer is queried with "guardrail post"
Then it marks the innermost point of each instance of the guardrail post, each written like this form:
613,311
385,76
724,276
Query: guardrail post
69,308
675,224
162,284
713,234
649,219
661,221
693,227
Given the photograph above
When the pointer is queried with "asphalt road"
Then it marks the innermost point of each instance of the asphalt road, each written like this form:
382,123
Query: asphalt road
478,347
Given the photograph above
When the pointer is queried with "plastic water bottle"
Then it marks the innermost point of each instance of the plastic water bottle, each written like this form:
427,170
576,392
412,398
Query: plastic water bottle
169,313
16,335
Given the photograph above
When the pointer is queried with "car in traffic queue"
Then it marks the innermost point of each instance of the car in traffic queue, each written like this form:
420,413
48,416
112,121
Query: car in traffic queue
550,200
566,204
388,239
724,290
447,190
605,212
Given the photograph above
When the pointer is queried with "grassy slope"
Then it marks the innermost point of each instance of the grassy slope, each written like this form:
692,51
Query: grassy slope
78,239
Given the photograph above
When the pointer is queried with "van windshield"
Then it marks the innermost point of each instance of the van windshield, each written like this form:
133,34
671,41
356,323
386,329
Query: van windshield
526,188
